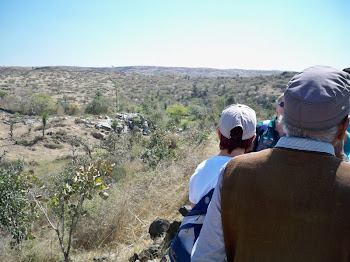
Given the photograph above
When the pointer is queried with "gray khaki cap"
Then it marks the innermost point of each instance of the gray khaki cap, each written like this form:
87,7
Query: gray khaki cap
317,98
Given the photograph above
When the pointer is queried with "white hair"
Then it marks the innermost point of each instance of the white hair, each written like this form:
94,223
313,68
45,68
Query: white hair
279,99
320,135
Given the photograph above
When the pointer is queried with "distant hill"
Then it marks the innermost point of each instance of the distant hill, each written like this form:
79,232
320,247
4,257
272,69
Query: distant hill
179,71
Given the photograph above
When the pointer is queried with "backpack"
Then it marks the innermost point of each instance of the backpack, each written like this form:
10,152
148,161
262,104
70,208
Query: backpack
189,230
264,126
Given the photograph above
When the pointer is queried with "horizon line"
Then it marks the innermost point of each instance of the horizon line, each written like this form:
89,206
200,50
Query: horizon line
214,68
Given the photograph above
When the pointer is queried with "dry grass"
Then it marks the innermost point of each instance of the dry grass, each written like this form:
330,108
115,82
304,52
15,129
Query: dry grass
44,248
136,202
119,226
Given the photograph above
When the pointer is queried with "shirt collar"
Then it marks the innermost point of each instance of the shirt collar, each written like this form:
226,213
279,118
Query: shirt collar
307,144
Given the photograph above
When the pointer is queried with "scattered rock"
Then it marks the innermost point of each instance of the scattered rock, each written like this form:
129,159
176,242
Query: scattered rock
101,258
158,228
184,210
170,234
134,258
149,254
104,125
29,121
98,135
162,233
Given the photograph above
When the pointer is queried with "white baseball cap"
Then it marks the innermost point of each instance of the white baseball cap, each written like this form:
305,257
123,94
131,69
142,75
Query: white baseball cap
238,115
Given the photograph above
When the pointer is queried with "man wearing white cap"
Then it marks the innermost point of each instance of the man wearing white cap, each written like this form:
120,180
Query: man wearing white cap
236,132
292,202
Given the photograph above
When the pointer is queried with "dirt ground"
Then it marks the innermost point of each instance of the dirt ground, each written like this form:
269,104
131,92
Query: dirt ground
59,134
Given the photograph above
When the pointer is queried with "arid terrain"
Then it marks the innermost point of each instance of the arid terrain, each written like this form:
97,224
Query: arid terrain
155,124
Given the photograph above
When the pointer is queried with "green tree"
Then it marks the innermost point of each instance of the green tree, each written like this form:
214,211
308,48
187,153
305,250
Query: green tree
114,125
176,112
230,100
194,90
220,104
41,103
99,105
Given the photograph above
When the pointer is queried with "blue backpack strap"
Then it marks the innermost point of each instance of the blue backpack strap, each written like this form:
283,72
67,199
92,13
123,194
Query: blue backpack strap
177,251
202,206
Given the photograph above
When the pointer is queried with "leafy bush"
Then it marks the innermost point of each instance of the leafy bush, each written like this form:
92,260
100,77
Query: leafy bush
41,103
22,142
16,208
184,124
78,121
67,196
36,140
158,148
73,109
53,146
99,105
2,94
120,172
176,112
196,135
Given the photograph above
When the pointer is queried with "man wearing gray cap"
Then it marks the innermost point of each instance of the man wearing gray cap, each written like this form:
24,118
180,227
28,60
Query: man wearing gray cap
292,202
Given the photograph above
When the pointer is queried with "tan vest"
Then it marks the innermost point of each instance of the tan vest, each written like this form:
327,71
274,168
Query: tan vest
286,205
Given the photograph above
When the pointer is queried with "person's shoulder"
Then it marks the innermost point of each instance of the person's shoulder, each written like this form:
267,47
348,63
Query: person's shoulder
253,155
250,160
344,168
214,160
342,182
262,125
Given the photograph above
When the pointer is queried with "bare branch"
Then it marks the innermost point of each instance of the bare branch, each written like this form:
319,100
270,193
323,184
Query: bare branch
43,211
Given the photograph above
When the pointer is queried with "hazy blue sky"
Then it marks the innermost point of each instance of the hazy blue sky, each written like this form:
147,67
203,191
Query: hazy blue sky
248,34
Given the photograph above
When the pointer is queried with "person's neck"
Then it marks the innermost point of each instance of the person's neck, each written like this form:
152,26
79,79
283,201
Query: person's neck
235,152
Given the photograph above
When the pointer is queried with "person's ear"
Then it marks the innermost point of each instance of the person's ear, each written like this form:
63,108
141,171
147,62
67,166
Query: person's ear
341,130
250,148
219,133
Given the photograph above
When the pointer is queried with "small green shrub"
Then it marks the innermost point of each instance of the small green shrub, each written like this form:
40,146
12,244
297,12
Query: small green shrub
3,94
78,120
17,211
36,140
158,148
120,172
99,105
73,109
53,146
22,142
66,197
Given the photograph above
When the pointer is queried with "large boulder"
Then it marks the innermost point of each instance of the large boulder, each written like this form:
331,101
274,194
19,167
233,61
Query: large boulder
104,125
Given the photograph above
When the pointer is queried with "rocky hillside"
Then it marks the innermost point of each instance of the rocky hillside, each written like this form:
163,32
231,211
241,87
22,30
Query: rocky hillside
180,71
